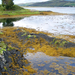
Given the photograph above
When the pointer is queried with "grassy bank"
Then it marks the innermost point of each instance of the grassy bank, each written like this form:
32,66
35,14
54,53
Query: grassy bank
17,10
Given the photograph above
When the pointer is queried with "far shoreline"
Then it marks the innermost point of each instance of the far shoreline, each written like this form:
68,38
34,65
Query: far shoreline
40,13
20,11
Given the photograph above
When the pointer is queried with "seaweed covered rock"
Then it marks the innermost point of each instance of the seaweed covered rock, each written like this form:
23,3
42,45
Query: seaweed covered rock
50,40
30,40
1,65
14,60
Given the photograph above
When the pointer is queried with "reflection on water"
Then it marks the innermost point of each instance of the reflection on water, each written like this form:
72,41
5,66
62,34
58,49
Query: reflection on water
8,21
58,24
46,65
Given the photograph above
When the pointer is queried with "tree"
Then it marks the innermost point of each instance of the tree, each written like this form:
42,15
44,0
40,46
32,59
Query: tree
8,4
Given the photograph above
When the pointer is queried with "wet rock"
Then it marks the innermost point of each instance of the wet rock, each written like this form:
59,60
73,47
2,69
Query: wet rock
18,57
1,39
67,45
16,30
6,56
47,38
12,57
1,64
50,39
22,37
0,73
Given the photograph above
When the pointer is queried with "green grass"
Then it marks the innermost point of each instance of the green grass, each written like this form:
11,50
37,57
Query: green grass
16,10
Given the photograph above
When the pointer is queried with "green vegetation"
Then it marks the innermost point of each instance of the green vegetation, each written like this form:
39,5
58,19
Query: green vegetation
10,48
58,43
28,36
24,34
8,4
31,36
16,10
69,4
1,32
5,68
53,3
2,47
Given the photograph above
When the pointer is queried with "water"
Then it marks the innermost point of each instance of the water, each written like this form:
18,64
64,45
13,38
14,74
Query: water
66,10
8,21
46,64
56,24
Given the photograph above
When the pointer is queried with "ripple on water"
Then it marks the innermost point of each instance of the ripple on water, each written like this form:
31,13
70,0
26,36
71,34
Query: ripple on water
58,24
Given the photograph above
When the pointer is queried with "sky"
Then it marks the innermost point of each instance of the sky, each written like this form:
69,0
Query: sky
26,1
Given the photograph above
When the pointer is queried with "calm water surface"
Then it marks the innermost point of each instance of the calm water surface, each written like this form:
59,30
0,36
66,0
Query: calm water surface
58,24
67,10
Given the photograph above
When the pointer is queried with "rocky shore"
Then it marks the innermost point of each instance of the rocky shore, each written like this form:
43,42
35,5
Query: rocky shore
20,40
11,61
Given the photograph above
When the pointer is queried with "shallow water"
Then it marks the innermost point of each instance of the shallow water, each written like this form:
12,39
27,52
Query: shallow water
45,64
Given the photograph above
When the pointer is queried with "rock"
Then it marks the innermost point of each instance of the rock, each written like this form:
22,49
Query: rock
16,30
0,73
1,39
69,44
6,56
16,58
1,64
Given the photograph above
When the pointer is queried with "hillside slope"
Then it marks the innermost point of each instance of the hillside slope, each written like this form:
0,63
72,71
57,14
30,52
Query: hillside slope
53,3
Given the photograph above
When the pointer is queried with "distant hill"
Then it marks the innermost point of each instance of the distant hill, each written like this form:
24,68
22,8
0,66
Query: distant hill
25,4
53,3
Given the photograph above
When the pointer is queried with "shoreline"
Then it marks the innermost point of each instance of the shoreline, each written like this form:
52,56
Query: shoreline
23,15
